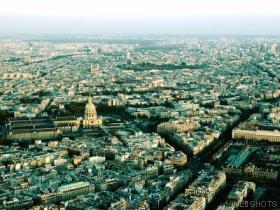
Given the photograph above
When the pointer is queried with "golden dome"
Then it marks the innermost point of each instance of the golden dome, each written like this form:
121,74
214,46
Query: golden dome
90,106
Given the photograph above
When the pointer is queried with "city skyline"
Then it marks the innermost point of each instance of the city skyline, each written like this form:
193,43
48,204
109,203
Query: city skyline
173,123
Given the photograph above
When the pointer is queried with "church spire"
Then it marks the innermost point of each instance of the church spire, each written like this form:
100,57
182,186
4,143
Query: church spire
90,100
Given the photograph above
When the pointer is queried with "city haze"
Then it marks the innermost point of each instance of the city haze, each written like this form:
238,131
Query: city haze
256,17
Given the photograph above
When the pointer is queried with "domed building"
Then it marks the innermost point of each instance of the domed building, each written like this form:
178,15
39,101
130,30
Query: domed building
90,118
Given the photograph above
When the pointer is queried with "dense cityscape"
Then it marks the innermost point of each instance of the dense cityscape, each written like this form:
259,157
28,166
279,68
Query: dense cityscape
149,122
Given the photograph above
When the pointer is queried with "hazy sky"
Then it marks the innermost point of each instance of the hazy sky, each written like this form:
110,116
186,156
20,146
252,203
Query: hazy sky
140,16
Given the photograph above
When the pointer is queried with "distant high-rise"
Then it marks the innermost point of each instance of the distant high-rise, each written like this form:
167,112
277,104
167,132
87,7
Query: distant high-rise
94,69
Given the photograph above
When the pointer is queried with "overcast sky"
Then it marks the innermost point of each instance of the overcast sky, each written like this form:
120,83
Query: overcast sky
260,17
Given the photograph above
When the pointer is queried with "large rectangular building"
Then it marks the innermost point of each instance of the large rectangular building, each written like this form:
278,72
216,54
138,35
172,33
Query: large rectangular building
258,135
41,128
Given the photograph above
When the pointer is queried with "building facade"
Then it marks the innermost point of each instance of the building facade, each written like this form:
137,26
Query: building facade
258,135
